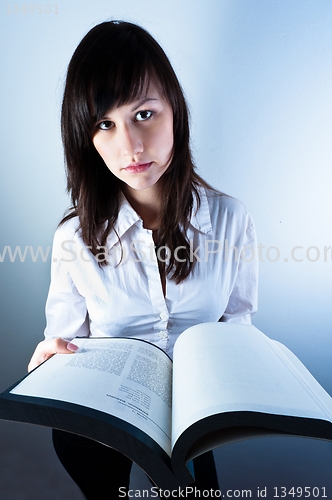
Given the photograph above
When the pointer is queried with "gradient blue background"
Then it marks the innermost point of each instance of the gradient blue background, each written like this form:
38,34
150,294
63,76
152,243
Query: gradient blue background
257,76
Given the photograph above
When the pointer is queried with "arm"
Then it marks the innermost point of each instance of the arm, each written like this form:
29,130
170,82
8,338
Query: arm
242,303
66,312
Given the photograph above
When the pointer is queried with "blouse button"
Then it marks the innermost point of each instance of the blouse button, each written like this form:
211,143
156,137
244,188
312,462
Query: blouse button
163,316
163,334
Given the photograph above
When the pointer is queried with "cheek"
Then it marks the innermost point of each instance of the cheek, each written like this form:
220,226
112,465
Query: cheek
169,133
97,144
103,149
165,140
169,143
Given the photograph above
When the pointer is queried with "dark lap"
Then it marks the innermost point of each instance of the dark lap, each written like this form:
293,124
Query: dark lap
101,471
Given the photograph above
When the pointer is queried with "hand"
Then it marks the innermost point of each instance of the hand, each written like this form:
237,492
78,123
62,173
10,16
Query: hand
47,348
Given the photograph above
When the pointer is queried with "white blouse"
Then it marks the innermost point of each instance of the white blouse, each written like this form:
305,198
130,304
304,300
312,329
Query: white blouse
125,298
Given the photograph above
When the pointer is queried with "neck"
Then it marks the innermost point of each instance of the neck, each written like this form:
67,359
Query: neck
147,204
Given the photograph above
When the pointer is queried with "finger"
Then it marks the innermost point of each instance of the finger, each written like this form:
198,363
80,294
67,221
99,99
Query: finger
47,348
61,346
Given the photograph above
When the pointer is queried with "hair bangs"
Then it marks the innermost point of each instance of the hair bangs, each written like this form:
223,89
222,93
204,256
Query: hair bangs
121,75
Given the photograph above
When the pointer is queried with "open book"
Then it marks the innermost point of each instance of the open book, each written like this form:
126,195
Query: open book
226,382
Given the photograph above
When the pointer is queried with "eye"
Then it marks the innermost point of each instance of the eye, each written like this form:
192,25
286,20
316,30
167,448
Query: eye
142,116
105,125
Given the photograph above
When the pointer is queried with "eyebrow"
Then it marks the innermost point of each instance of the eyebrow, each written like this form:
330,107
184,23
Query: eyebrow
143,101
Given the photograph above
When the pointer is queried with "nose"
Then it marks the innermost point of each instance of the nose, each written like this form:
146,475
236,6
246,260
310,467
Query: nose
131,141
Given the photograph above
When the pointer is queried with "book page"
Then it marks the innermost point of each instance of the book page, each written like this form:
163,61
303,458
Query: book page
220,367
127,378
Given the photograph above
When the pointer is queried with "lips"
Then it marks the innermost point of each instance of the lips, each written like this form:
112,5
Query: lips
137,168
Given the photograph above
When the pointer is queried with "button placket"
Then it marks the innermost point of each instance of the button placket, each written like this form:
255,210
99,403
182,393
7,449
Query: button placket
155,289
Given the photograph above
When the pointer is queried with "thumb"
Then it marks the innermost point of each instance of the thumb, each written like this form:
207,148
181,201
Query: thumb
47,348
62,346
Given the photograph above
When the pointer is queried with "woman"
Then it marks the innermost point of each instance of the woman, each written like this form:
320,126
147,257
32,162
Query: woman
148,248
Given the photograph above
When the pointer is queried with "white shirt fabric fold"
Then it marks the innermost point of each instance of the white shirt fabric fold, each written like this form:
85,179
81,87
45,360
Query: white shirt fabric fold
126,298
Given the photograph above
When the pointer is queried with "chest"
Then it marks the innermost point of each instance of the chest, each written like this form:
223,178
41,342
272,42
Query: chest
130,291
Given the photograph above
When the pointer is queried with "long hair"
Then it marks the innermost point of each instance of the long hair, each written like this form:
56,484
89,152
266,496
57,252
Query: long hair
112,66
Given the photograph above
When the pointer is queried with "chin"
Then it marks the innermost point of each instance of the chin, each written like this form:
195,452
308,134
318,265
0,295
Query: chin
142,184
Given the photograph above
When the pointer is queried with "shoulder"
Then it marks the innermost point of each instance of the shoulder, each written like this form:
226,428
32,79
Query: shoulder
69,227
220,215
223,206
67,231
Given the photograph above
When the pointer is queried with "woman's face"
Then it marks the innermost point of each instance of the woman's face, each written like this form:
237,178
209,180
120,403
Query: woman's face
136,140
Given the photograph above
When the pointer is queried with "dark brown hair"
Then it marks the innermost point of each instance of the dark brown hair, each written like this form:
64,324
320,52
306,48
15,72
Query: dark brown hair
112,66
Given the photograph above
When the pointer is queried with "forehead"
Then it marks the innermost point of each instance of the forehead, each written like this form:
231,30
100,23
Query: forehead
119,93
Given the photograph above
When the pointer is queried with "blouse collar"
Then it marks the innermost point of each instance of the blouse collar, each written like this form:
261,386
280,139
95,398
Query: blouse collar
128,217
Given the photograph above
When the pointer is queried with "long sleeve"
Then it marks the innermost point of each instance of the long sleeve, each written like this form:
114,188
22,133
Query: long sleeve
66,312
242,302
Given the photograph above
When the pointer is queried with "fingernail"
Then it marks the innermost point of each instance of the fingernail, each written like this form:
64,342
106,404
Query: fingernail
72,347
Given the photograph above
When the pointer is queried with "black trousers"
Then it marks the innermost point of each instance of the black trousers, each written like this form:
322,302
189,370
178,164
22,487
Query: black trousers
100,471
